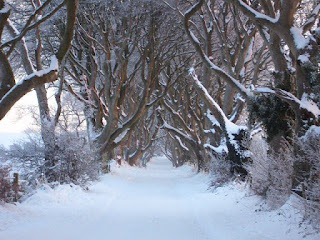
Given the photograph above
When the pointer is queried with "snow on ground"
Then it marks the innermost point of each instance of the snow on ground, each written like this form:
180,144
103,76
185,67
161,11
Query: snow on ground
159,202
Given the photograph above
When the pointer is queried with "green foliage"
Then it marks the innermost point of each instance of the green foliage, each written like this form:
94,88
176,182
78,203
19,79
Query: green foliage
313,74
275,115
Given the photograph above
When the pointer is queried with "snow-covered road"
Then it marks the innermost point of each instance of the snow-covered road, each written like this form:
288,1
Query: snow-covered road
156,203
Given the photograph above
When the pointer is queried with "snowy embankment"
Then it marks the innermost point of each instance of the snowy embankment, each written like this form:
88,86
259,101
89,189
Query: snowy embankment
159,202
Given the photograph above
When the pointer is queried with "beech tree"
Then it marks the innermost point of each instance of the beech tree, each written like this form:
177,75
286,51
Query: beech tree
36,75
295,70
242,53
224,41
117,67
12,92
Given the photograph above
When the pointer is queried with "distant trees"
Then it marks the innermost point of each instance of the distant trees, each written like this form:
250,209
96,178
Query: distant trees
218,35
241,48
119,65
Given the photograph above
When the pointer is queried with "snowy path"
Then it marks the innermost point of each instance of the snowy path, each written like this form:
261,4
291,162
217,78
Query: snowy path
156,203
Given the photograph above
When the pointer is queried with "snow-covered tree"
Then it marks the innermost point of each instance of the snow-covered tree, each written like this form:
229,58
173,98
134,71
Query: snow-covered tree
20,28
117,64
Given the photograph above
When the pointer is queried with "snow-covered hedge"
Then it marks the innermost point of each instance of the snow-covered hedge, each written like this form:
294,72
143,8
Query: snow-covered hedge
294,169
74,160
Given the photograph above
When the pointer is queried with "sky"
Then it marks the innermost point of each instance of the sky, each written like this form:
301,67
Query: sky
17,120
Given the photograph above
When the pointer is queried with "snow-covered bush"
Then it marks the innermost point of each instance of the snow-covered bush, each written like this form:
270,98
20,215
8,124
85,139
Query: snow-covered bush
75,160
259,169
26,157
271,173
220,170
292,169
308,173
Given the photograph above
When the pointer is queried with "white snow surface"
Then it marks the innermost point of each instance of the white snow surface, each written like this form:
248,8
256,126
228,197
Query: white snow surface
299,40
220,149
158,202
181,143
258,14
313,131
304,58
54,66
121,136
5,9
264,90
309,105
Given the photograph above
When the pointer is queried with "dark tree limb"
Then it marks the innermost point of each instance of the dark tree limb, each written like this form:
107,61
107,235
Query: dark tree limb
22,88
37,79
72,8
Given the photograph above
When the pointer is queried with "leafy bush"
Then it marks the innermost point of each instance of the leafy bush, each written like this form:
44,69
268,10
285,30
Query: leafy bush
275,115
